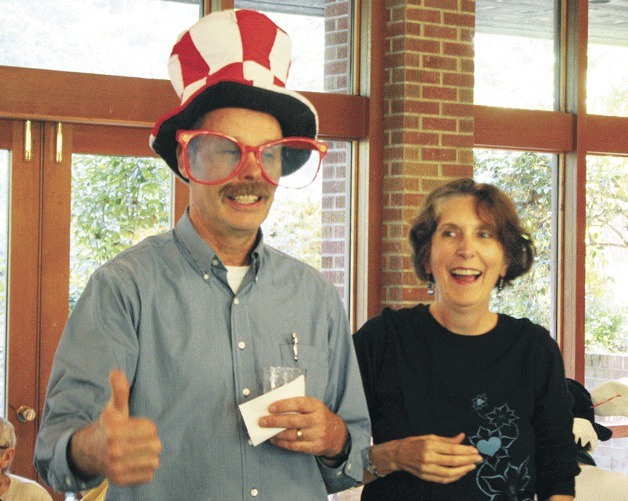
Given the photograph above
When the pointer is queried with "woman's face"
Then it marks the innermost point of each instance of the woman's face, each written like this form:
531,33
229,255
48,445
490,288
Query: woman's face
466,257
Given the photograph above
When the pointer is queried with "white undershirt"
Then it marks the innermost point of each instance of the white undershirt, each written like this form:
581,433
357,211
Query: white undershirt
235,275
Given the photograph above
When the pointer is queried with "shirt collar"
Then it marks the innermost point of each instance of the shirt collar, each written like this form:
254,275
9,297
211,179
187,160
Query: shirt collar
201,254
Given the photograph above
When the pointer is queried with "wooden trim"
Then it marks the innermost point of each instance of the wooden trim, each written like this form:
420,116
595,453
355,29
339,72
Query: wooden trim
23,291
508,128
107,140
6,134
376,159
601,135
55,252
60,96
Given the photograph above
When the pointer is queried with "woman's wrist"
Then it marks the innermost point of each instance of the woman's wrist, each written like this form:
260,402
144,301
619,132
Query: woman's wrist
382,458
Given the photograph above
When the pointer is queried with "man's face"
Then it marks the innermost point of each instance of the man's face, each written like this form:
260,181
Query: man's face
237,208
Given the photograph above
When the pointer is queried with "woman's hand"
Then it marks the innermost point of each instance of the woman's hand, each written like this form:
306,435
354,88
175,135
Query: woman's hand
429,457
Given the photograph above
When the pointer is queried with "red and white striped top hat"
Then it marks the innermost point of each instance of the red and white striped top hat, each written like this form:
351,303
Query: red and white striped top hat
235,59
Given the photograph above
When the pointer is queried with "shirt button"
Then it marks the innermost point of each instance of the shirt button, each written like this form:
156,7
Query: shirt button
254,492
246,392
206,276
68,481
236,301
215,262
241,345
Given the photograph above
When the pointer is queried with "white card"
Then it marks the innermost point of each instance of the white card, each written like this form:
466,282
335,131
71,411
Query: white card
254,409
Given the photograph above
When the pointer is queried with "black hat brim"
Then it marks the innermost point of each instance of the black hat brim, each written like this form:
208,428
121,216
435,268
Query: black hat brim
295,117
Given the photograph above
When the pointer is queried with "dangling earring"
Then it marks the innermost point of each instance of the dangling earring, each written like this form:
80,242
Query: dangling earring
500,285
430,285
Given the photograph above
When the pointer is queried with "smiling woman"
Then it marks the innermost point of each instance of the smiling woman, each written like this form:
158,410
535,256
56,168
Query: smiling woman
466,403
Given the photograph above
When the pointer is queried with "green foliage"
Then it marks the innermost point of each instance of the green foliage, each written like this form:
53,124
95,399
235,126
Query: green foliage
526,177
606,242
294,225
116,202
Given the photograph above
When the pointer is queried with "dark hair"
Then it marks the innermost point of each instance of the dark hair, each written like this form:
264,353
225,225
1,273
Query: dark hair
491,204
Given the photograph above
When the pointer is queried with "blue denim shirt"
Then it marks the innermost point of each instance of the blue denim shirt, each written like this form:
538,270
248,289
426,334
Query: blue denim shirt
163,312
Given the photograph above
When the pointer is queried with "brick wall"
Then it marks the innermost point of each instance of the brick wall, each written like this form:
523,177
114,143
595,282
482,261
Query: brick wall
336,223
428,122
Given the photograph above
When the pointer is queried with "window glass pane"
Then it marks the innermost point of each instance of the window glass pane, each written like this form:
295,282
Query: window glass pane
314,224
527,178
321,41
606,325
112,37
4,272
514,54
116,202
607,70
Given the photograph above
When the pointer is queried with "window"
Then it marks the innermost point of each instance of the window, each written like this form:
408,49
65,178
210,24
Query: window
527,178
92,36
5,169
98,73
514,54
584,140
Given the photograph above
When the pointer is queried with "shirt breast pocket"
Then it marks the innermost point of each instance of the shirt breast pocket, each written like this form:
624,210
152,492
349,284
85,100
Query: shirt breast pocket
315,364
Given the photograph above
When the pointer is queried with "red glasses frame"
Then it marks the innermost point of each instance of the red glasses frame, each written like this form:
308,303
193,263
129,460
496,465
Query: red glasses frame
185,136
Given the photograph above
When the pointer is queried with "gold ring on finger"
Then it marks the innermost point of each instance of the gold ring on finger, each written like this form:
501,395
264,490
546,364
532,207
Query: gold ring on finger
299,434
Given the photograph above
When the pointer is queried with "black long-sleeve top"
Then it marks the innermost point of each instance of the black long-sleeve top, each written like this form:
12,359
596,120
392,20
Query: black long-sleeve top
504,389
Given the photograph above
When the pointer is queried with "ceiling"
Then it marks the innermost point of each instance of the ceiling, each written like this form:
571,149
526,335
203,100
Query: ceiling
608,19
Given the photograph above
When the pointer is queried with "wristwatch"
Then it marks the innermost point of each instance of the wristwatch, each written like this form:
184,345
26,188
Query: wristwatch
371,468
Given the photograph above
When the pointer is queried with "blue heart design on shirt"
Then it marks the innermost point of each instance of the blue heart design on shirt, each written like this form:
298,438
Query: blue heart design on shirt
489,447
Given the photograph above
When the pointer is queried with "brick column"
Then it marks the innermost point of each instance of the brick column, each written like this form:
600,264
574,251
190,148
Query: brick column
336,220
428,123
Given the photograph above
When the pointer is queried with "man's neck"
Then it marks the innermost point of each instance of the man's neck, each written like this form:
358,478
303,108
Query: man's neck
232,248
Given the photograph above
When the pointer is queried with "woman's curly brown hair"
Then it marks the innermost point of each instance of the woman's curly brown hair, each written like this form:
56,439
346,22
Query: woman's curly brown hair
492,205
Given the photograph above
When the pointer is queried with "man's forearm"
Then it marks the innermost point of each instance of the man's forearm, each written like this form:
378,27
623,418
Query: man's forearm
84,456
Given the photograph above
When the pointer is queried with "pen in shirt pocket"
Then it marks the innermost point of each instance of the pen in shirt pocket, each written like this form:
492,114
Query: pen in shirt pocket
295,349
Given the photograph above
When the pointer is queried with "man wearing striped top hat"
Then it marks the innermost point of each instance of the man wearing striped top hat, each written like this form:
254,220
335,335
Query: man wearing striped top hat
171,336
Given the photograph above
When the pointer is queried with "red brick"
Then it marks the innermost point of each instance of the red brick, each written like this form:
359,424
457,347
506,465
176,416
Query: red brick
467,6
438,154
337,9
458,140
440,93
440,32
441,63
424,76
467,65
458,170
442,4
458,79
458,109
423,107
444,124
423,15
451,19
458,49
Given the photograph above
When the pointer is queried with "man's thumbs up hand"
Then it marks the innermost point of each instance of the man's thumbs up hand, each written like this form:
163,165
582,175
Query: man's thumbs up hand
122,448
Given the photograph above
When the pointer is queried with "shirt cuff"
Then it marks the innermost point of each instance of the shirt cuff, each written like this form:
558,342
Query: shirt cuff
62,478
347,474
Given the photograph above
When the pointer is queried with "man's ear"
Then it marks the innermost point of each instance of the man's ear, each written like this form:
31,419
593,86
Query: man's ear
180,164
9,454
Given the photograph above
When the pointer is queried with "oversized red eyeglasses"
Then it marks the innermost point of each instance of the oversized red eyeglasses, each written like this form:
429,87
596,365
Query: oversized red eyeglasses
214,158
